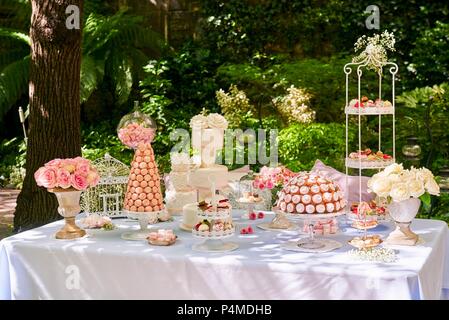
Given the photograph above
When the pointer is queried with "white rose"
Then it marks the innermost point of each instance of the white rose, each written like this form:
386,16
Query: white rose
432,187
425,174
216,120
416,188
393,169
199,121
381,186
399,192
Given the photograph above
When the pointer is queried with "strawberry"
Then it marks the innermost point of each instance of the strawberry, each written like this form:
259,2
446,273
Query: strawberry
197,226
252,216
243,231
386,156
249,230
260,215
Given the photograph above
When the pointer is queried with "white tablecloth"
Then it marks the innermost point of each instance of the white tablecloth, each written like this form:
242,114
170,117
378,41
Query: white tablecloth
34,265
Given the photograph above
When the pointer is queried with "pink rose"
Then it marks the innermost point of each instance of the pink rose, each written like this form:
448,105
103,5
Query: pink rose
56,163
82,168
79,182
63,178
45,177
69,165
261,186
93,178
270,184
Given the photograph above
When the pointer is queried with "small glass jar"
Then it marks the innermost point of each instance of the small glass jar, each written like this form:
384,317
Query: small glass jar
247,191
136,127
412,149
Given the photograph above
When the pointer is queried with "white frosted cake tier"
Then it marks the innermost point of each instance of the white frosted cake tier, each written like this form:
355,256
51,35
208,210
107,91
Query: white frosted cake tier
180,181
175,200
189,215
368,164
369,110
202,177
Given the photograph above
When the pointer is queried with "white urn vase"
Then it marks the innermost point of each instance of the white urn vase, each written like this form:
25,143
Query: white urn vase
403,213
69,207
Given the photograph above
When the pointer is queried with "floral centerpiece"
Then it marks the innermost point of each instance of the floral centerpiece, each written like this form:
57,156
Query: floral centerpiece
373,50
66,174
403,190
272,178
67,178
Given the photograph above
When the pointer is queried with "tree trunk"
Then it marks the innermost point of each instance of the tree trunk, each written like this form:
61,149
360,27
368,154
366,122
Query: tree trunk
54,121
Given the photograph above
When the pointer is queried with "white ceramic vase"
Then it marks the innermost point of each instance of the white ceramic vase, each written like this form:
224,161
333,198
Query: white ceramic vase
403,213
69,207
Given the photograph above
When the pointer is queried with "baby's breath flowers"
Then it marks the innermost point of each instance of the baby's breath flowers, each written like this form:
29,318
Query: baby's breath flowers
374,50
378,255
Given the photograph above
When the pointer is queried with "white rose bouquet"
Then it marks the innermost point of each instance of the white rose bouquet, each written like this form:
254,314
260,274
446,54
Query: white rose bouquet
213,120
396,184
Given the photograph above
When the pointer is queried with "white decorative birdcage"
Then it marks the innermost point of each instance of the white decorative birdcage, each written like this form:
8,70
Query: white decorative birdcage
106,198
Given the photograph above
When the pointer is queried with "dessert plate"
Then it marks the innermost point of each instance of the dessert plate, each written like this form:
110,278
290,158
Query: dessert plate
329,245
266,226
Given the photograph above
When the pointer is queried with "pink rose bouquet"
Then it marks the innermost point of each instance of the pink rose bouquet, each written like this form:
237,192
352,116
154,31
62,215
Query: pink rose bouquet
272,178
133,134
77,173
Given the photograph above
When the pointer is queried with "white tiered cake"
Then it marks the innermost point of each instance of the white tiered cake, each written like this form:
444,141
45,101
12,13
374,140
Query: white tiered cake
179,193
207,140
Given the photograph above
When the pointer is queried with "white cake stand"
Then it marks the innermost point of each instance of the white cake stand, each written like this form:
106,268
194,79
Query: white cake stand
311,242
144,218
215,243
214,240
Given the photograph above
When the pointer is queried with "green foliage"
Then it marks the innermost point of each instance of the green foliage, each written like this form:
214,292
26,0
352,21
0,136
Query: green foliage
13,83
424,113
117,43
300,145
429,57
12,162
101,139
176,88
323,79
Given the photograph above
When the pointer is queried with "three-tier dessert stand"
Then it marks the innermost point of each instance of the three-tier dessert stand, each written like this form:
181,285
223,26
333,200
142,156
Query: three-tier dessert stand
379,110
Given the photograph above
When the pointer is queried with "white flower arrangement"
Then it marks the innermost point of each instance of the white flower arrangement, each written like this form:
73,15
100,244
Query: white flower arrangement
375,50
213,120
396,184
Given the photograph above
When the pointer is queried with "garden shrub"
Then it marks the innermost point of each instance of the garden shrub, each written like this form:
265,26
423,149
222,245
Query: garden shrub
235,106
12,162
300,145
430,60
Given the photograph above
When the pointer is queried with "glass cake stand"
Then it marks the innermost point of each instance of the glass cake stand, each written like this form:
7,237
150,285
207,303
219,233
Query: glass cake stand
215,243
214,239
311,242
249,207
144,219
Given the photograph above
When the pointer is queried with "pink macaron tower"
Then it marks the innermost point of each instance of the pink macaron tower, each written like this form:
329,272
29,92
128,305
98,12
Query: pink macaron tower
143,194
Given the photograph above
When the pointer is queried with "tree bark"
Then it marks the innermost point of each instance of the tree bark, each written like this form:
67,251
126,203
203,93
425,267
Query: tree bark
54,92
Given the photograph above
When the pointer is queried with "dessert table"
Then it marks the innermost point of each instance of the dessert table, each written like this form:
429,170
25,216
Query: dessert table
34,265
